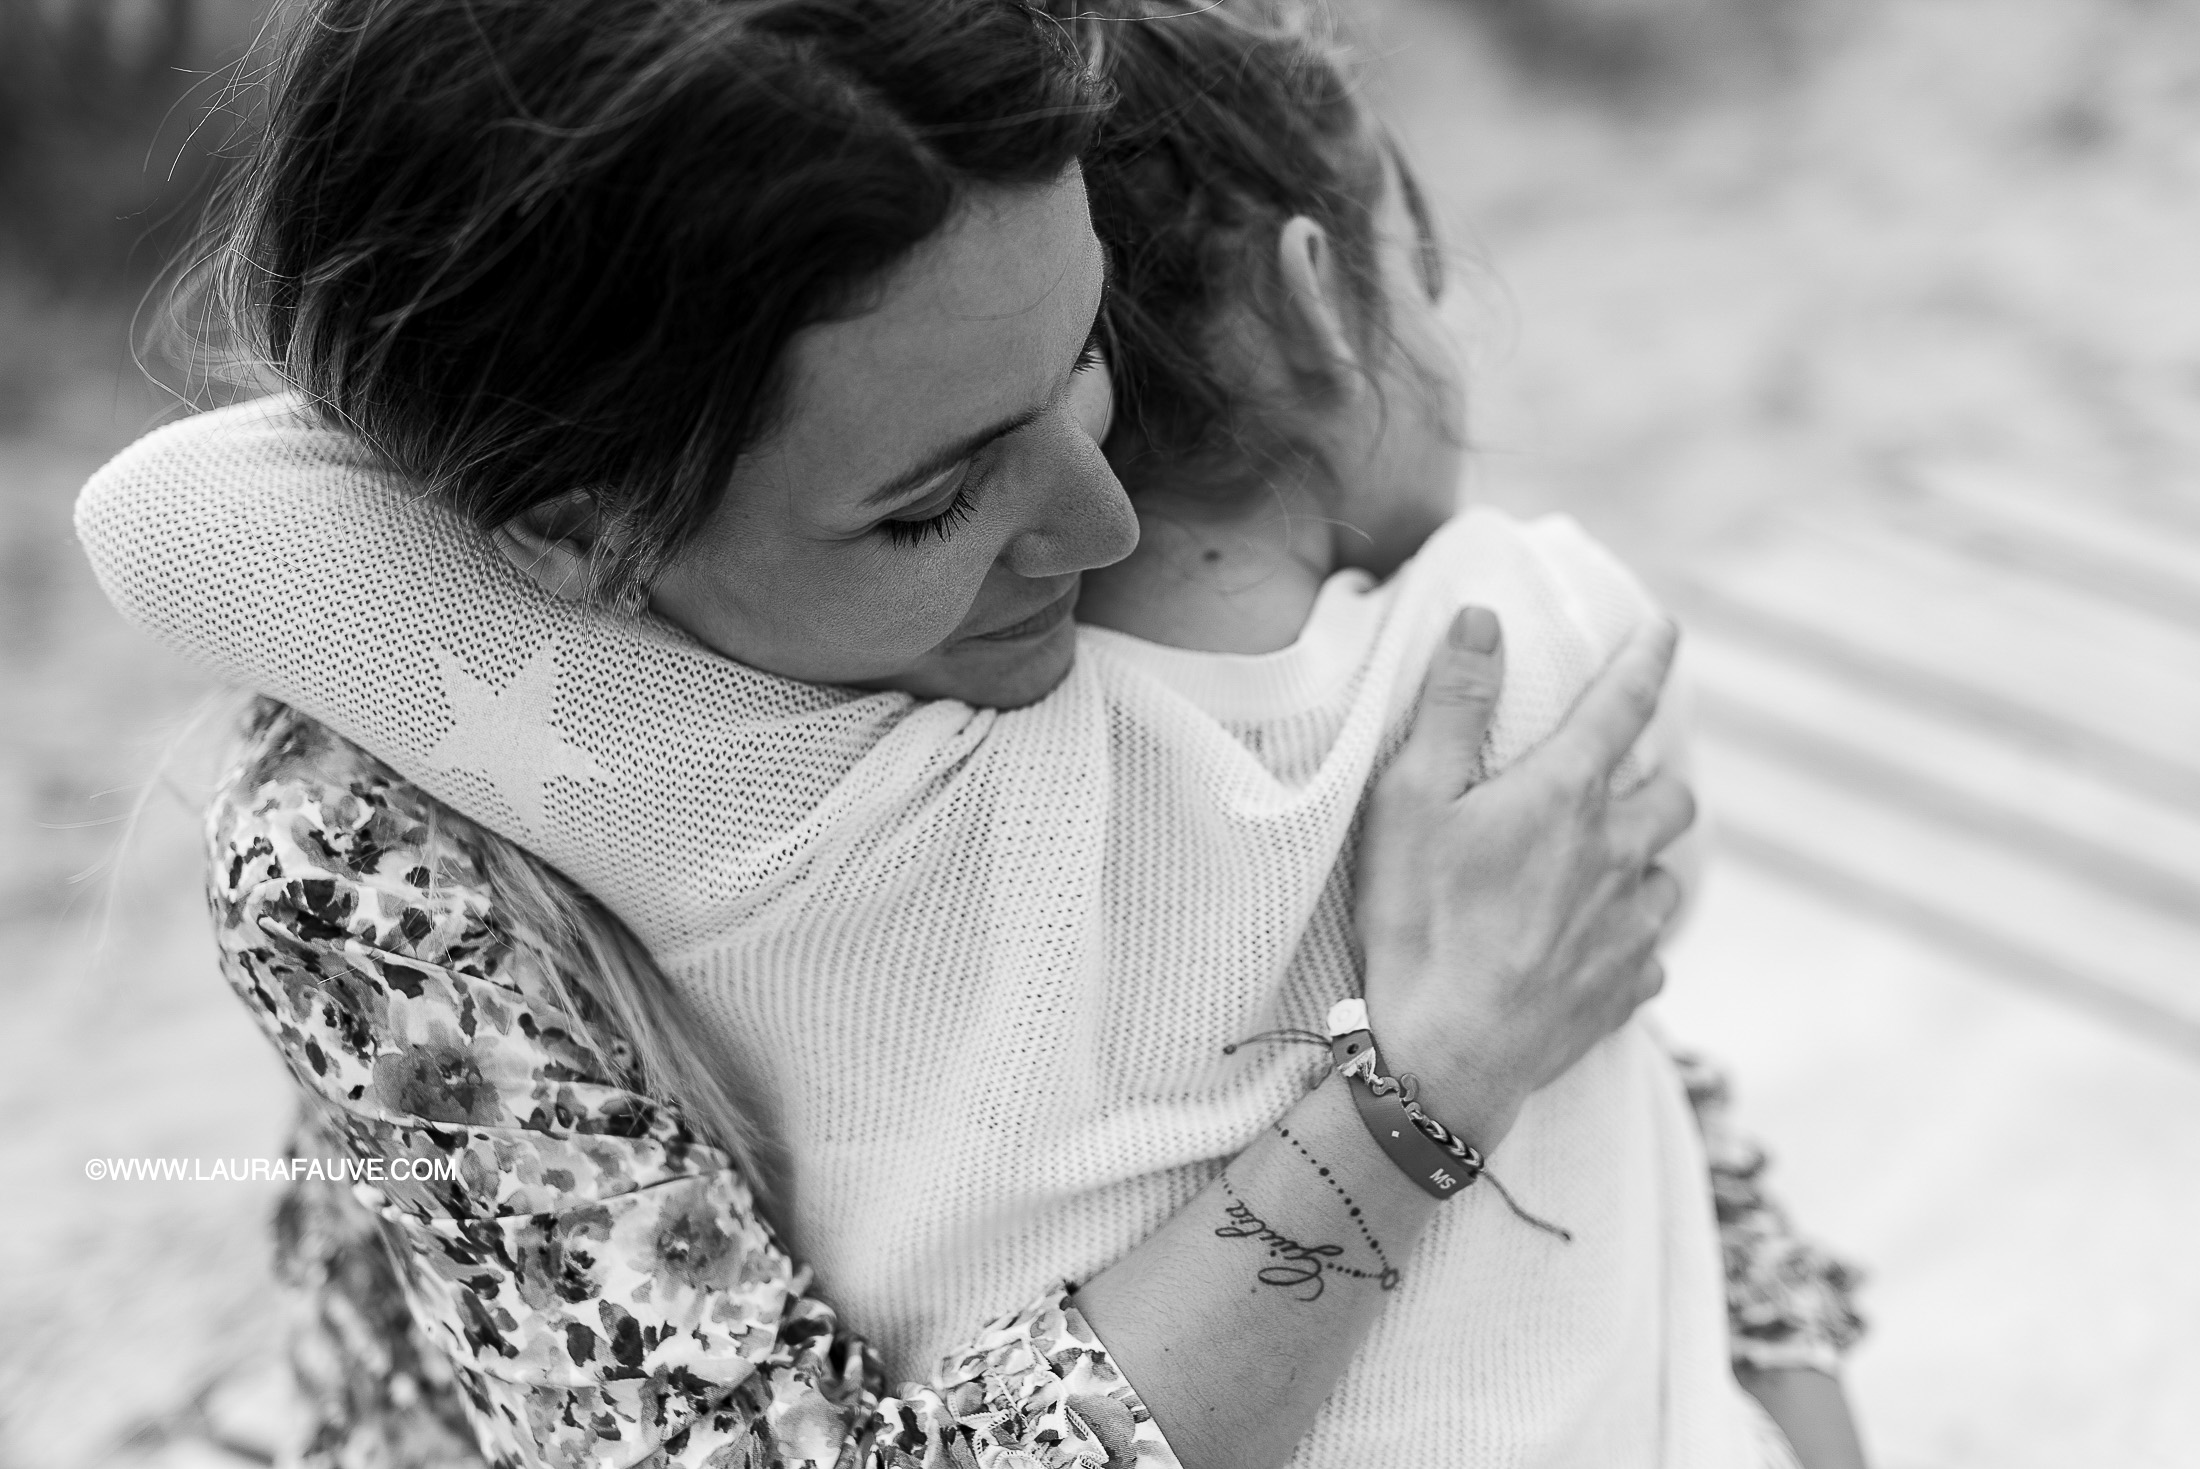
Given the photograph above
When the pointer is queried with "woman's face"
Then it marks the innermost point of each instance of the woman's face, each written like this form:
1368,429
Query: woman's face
920,516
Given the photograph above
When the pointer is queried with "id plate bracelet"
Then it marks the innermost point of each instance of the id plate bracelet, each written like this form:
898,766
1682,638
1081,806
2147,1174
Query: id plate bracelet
1423,1148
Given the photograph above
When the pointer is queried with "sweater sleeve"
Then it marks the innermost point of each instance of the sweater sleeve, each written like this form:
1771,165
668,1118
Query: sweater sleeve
594,1282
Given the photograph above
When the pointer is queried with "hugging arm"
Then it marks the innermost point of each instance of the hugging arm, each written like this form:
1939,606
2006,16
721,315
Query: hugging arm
552,1265
593,1285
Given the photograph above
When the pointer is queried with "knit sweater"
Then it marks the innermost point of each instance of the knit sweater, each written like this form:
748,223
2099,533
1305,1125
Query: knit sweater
986,961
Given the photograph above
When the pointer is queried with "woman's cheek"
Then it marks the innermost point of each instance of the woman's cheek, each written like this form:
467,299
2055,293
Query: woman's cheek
907,600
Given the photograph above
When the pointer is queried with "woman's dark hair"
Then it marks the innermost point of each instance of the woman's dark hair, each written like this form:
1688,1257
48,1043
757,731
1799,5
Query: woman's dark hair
525,247
1230,118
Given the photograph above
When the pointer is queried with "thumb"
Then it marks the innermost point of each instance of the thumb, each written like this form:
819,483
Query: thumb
1458,700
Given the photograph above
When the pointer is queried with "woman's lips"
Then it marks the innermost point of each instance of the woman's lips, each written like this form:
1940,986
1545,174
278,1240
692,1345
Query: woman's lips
1045,619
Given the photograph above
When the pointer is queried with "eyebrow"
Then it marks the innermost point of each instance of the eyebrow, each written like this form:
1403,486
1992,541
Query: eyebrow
969,444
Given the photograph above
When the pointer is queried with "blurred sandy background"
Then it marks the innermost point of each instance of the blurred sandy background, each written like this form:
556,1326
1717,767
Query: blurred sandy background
1869,330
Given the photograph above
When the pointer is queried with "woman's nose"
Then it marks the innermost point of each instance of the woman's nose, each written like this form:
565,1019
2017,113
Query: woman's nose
1079,517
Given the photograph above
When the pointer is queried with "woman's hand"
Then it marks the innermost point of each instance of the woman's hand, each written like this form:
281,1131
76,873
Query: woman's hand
1509,926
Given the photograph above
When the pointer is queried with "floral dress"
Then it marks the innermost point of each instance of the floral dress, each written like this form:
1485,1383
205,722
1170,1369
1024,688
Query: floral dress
504,1250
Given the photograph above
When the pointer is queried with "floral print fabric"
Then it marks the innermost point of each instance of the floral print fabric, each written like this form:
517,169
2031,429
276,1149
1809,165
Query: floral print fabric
1789,1304
554,1269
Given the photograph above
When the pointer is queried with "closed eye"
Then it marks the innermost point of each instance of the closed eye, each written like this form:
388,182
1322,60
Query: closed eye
942,523
1091,355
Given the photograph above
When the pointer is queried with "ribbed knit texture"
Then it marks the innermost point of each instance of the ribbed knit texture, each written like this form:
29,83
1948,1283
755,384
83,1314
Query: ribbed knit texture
986,961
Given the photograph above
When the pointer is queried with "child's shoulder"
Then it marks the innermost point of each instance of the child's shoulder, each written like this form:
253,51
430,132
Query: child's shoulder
1565,601
1484,554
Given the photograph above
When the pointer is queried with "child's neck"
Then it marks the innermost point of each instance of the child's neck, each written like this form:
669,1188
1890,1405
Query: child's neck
1239,578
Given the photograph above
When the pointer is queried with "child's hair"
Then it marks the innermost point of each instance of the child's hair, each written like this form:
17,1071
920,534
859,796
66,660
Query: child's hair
528,246
1230,118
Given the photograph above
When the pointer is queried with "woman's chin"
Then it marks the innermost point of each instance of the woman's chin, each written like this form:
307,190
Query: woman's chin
1007,674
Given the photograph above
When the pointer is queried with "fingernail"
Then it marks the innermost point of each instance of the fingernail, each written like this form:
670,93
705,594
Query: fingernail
1474,630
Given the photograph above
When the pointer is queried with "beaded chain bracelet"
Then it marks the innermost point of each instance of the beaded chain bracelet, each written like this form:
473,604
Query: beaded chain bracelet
1439,1161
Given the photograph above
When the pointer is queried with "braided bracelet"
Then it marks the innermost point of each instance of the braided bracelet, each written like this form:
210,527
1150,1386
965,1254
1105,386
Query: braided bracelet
1428,1152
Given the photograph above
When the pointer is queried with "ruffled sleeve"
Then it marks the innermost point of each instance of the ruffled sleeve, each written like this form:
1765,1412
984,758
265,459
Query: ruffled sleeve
585,1280
1790,1304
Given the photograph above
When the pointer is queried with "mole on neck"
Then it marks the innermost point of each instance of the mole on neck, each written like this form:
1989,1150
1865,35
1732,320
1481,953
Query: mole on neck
1240,578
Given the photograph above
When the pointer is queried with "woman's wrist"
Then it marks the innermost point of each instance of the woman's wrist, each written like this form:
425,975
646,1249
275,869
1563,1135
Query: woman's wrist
1234,1319
1327,1119
1476,1102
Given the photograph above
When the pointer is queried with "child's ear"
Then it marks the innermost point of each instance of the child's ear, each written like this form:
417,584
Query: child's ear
554,545
1315,332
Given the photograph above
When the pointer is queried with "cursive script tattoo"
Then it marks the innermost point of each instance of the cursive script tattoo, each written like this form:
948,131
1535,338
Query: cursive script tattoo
1303,1267
1295,1264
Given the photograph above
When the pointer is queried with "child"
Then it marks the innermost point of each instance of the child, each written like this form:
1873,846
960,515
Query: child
1288,406
1288,420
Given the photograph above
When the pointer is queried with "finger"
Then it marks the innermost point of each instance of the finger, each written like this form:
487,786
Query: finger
1616,707
1640,987
1660,897
1458,700
1651,819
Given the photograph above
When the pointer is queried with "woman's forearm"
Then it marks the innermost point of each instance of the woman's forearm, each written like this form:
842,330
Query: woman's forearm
1234,1319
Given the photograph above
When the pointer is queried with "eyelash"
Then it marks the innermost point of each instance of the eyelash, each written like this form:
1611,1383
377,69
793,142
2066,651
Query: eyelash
916,532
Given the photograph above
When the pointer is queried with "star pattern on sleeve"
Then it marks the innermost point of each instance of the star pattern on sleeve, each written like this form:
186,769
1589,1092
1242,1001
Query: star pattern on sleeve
505,735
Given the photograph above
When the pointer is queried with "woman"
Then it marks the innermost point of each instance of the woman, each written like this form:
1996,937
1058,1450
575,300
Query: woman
920,312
